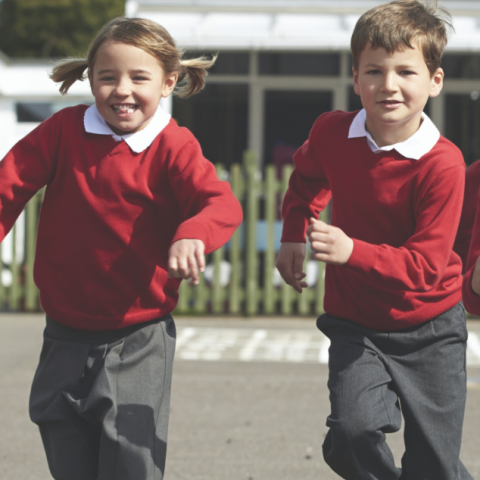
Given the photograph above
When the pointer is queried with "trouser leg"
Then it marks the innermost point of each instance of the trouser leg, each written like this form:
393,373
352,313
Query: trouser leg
428,369
363,409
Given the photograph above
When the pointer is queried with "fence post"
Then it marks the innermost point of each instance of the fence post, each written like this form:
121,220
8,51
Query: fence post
286,303
320,287
251,283
31,292
270,195
14,299
217,256
234,300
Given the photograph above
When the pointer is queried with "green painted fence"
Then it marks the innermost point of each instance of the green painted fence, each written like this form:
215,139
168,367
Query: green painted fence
240,278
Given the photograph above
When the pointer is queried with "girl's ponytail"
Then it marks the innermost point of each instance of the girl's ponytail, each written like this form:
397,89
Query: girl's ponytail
68,72
191,76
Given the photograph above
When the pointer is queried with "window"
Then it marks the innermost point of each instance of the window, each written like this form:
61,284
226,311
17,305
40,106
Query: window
218,118
33,112
292,63
461,66
227,63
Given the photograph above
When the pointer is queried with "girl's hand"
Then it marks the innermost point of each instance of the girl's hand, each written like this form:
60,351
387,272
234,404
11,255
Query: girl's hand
476,277
329,244
290,264
186,259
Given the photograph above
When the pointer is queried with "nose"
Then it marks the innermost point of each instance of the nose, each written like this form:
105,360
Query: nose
123,88
389,82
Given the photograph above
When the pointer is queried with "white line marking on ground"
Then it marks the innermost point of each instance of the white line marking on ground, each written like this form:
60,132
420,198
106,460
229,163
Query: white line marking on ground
184,336
248,351
323,353
474,344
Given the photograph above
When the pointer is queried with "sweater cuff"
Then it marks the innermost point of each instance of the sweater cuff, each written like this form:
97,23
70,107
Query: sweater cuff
363,257
193,231
294,229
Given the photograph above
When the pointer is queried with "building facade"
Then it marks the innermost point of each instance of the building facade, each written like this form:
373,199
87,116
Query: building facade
281,64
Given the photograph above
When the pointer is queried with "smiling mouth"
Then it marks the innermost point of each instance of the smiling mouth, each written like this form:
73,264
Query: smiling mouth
125,108
390,102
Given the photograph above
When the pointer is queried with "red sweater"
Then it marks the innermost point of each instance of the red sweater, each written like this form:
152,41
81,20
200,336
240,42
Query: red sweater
469,210
109,217
467,243
402,215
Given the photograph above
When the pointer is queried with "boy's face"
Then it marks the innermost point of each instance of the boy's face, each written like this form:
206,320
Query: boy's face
394,89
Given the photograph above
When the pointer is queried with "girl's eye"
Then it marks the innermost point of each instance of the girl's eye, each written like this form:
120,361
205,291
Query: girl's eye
106,79
140,79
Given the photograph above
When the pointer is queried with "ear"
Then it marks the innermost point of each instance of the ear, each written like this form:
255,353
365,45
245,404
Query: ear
356,86
169,84
436,82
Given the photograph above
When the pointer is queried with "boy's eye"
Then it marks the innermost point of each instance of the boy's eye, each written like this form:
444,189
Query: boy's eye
407,72
140,79
373,72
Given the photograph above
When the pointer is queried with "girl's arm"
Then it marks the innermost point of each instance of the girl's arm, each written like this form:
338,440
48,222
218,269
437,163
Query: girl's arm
211,211
26,168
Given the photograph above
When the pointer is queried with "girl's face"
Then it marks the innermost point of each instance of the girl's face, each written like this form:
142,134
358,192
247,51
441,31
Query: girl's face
127,84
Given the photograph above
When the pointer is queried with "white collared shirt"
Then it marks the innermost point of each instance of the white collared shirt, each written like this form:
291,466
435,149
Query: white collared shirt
138,141
420,143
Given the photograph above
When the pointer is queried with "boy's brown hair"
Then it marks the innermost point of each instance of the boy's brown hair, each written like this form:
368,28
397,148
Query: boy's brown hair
397,25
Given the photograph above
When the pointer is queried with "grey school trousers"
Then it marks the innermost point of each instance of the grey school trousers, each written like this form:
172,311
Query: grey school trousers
375,377
101,400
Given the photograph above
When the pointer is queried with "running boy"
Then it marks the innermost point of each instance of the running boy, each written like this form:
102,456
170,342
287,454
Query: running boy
131,207
393,284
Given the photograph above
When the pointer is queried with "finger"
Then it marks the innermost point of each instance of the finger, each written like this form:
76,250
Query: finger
200,256
172,267
183,269
192,263
319,225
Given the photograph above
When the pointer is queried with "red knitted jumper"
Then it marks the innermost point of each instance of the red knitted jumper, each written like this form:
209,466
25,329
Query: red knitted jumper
110,215
469,210
468,237
401,213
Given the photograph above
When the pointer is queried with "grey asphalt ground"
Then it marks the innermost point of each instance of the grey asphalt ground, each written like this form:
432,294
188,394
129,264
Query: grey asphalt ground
230,419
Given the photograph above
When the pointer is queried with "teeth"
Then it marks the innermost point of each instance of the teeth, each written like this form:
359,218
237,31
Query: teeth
124,108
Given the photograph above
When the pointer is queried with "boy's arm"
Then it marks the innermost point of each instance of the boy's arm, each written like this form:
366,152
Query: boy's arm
26,168
211,211
307,195
420,263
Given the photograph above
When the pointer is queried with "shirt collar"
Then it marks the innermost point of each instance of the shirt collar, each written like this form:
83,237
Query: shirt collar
420,143
138,141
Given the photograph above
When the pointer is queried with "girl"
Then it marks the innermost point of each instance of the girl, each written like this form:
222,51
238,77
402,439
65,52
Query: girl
130,209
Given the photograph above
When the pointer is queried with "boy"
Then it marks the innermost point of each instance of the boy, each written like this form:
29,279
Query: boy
393,284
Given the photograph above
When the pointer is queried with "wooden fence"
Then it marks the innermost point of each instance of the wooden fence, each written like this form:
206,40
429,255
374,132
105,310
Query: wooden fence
240,278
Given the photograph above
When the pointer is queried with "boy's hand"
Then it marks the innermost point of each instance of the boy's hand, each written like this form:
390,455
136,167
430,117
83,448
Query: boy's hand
290,264
329,244
476,277
186,259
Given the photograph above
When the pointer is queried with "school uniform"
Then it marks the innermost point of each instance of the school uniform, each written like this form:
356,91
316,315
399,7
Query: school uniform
112,208
394,317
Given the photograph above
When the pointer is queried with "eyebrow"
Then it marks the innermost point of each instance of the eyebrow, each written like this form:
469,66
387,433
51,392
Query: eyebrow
374,65
107,70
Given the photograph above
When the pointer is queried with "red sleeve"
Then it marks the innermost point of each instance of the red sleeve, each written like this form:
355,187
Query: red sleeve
470,298
465,229
308,192
212,211
419,264
26,168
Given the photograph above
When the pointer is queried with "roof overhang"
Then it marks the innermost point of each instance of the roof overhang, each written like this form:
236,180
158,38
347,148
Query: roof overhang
282,24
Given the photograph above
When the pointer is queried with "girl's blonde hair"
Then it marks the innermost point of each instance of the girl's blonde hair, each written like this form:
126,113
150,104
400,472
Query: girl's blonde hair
150,37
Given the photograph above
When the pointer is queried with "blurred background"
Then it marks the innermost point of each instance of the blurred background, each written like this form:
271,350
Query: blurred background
281,64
